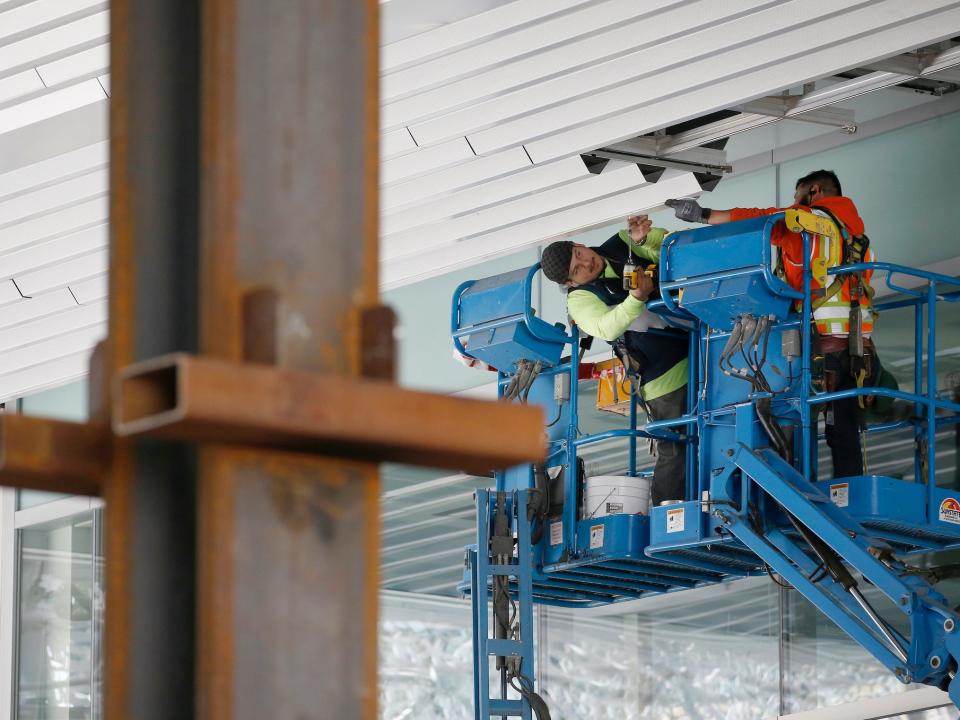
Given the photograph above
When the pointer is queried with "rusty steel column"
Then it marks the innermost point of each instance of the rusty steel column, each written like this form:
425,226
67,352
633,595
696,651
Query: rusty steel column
288,544
276,264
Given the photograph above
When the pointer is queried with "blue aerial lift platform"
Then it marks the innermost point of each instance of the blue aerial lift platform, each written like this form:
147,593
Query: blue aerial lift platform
753,503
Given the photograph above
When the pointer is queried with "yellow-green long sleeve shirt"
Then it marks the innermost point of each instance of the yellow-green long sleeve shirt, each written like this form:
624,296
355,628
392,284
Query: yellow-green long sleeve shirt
593,316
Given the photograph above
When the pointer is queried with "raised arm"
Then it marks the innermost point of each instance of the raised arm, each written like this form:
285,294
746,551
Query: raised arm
690,210
595,318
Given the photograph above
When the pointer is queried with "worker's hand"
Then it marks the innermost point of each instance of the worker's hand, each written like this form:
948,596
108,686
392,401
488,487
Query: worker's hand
689,210
638,226
644,287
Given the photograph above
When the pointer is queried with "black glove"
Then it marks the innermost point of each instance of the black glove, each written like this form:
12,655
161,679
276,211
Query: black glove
689,210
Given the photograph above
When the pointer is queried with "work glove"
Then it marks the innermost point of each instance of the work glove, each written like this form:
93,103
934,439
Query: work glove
689,210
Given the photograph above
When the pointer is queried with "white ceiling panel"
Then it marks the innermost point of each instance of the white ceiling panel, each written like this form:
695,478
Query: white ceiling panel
56,42
546,33
51,197
46,374
396,142
559,224
27,309
621,124
46,171
470,30
91,290
527,181
33,257
50,104
425,160
27,356
8,294
93,61
33,15
479,170
105,83
48,278
91,212
21,83
644,70
511,212
807,50
647,28
76,318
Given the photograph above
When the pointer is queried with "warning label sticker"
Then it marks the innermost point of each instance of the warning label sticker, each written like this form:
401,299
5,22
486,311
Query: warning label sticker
596,536
675,520
840,494
950,511
556,533
614,508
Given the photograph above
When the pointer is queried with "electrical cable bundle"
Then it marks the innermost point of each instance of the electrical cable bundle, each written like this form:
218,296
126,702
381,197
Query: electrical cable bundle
522,380
751,337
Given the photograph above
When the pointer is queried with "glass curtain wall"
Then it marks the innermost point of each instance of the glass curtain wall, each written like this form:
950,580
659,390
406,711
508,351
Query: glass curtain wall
60,607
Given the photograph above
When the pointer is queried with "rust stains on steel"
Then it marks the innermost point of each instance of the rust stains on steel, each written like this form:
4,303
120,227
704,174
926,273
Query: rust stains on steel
195,398
53,455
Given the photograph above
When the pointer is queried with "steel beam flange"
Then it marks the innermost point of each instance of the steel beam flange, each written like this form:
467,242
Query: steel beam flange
197,398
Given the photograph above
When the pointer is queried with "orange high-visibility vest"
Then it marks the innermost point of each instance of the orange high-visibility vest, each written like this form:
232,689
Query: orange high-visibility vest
833,316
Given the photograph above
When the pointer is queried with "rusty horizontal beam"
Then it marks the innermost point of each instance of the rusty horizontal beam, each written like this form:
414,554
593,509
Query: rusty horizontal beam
186,397
52,455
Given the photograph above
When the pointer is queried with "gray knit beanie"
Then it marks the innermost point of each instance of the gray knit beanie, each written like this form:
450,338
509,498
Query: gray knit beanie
555,261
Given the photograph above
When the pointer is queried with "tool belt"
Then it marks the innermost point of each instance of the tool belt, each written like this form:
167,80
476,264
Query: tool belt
860,367
839,343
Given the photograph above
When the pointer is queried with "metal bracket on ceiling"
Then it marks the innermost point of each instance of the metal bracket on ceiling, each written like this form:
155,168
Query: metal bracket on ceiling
650,151
791,106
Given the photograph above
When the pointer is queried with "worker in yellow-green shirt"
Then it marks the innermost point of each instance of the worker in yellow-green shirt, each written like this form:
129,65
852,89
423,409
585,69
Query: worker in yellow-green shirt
600,306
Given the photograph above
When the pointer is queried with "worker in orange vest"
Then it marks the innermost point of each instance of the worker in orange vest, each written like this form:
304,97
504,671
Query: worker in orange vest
842,310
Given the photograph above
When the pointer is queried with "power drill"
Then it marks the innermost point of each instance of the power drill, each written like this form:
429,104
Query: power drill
631,275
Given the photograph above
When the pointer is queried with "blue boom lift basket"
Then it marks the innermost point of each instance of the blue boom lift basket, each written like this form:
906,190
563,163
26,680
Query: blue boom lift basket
494,318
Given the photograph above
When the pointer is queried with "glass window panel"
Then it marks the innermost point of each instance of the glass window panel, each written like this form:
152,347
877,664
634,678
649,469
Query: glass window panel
66,402
696,655
60,604
32,498
426,658
822,666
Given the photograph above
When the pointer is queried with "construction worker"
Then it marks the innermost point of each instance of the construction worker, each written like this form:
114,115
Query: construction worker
601,307
844,303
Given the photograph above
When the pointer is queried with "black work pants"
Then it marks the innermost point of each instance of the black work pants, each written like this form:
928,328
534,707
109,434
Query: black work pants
669,473
844,418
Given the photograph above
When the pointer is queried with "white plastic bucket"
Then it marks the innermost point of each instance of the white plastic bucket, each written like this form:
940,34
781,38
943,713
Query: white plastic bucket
616,495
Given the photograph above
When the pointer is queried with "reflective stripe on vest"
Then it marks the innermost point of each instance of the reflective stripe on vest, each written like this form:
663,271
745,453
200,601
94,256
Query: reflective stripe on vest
833,317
